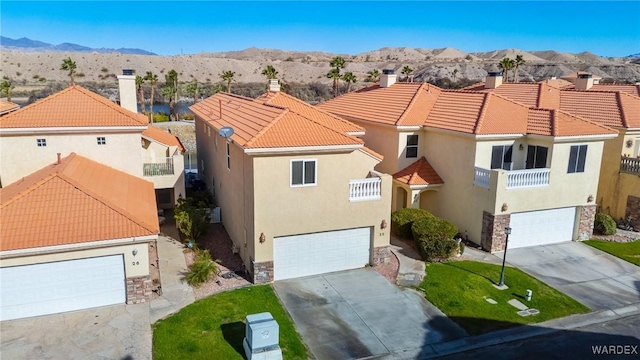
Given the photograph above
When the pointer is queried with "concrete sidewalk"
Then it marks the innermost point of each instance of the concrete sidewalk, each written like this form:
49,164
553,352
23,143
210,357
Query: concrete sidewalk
176,293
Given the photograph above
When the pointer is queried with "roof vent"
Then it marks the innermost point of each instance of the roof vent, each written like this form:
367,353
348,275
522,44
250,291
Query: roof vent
387,71
127,72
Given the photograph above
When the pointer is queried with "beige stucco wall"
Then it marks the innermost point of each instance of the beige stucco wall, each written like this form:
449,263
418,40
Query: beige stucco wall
134,265
282,210
20,155
614,187
383,140
403,161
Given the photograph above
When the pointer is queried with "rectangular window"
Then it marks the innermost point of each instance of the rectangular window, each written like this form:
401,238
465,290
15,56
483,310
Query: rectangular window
501,157
41,142
101,140
412,146
303,172
228,157
536,157
577,158
209,131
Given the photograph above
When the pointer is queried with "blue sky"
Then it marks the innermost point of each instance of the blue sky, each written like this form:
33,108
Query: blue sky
170,27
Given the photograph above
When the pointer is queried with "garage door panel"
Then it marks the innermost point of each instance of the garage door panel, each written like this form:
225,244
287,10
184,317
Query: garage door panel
40,289
311,254
542,227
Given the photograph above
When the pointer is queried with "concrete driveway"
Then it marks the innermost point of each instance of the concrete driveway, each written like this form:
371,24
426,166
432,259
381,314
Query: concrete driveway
359,314
592,277
119,332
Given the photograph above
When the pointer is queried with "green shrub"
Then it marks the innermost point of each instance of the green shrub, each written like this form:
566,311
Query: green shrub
461,248
402,220
433,237
604,224
191,215
160,117
187,117
202,269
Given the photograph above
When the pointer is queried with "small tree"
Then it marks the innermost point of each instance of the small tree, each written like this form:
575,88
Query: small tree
373,76
153,80
70,66
227,76
6,86
270,72
519,61
170,90
349,78
407,72
193,90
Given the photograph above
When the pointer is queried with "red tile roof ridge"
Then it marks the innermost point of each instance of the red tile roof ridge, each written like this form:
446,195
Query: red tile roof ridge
153,132
372,153
483,111
268,126
413,101
594,91
472,86
6,202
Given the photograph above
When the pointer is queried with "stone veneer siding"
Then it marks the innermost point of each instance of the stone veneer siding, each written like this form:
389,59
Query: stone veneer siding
139,289
263,272
585,221
633,210
493,236
381,255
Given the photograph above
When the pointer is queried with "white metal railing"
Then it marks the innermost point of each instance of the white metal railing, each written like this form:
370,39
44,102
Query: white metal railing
630,165
527,178
482,177
160,167
365,189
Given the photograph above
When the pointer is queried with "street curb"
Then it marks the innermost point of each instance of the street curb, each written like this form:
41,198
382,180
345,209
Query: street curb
527,331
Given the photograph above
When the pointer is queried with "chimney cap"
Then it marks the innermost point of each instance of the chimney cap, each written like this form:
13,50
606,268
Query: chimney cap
127,72
585,76
387,71
495,73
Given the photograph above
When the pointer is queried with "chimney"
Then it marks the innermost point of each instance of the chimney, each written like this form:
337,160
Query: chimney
493,80
127,88
387,78
59,159
274,85
584,81
554,78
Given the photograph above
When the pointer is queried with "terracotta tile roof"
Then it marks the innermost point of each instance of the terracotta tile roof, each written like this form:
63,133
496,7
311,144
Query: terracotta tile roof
402,104
300,107
573,76
602,107
550,122
76,201
528,94
74,106
629,89
259,125
7,106
372,153
557,83
418,173
630,110
163,137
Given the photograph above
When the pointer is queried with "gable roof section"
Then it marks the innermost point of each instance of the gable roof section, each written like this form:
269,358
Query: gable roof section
628,89
419,172
163,137
602,107
258,125
76,201
402,104
630,110
7,106
306,110
74,106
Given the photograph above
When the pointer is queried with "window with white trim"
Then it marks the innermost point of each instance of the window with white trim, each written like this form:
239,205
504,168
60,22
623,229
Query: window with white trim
41,142
303,172
101,140
501,157
228,156
412,146
577,158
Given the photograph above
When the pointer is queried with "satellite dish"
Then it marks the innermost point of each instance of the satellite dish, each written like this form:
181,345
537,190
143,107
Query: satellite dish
226,132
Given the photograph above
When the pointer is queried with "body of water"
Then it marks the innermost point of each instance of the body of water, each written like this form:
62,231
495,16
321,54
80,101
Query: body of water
181,108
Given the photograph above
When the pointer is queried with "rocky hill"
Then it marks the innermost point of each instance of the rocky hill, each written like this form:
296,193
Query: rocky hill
32,69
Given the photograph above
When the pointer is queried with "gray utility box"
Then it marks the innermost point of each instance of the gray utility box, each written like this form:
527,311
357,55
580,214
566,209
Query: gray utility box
262,337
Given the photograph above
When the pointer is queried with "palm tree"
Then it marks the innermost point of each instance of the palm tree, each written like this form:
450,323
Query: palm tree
153,80
70,66
270,72
171,91
506,64
373,76
227,76
518,62
139,83
335,75
349,78
192,89
407,71
5,87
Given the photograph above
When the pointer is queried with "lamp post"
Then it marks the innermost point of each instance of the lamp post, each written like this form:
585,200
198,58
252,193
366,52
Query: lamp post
507,231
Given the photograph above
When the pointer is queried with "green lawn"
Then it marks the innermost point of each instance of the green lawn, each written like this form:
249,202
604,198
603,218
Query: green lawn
626,251
459,289
213,328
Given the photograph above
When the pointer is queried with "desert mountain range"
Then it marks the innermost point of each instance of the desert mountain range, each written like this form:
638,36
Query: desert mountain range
31,67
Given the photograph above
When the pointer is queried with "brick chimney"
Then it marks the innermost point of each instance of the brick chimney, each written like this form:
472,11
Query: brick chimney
493,80
584,81
274,85
387,78
127,89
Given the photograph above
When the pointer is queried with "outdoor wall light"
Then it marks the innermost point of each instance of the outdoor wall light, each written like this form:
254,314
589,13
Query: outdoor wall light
262,238
590,198
383,224
505,207
135,252
521,147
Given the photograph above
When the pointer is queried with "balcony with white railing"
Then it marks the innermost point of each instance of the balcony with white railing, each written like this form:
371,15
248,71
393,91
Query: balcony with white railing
630,165
515,179
365,189
160,167
482,177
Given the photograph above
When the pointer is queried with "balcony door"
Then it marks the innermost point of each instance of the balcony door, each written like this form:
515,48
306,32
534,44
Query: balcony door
536,157
502,157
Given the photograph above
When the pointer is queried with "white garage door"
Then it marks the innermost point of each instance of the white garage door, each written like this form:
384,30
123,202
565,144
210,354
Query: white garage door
542,227
311,254
41,289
